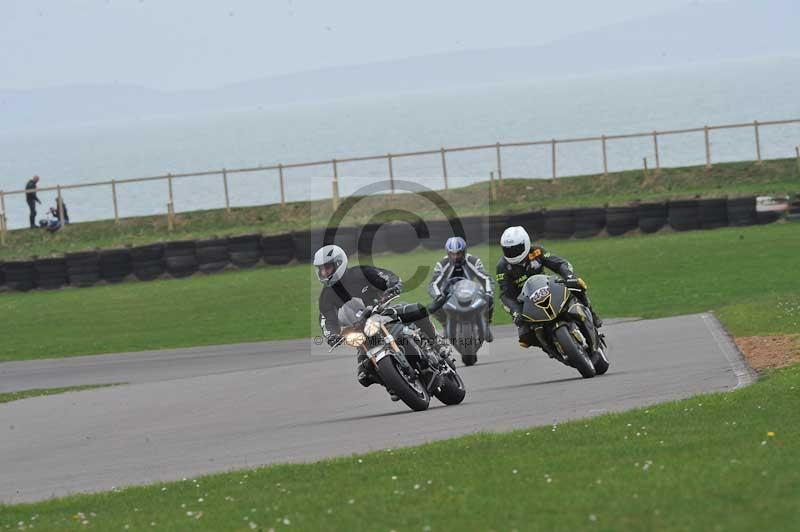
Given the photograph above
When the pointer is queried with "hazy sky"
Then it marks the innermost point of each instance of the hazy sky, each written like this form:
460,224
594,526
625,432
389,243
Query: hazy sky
185,44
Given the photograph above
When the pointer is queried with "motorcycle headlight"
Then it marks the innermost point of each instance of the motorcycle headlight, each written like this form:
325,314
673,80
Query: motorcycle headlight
354,339
372,326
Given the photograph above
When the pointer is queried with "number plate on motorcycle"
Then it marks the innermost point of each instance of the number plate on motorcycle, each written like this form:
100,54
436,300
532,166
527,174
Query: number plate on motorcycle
541,294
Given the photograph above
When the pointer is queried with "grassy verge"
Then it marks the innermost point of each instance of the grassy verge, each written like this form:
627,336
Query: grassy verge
517,195
743,272
714,462
24,394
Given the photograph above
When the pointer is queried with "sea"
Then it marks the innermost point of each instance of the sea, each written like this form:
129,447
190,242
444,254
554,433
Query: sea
612,103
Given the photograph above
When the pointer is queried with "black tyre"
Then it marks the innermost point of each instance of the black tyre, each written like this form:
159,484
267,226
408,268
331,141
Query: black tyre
411,391
741,211
277,249
438,232
212,255
83,269
713,213
453,390
115,265
467,343
50,273
20,275
652,217
533,222
559,223
589,222
180,259
245,250
620,220
575,355
684,215
600,363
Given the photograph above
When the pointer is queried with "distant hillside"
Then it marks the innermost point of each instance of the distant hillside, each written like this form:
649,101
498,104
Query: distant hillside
695,33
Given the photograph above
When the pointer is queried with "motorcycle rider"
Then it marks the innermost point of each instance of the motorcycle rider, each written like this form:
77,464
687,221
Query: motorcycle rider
459,263
522,260
372,285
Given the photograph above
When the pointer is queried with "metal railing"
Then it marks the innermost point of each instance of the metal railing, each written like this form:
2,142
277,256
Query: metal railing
390,157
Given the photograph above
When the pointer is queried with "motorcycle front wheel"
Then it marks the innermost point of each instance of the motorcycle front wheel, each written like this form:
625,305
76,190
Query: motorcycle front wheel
575,355
411,391
453,390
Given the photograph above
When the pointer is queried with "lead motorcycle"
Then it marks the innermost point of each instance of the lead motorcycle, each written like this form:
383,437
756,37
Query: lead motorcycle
563,325
404,365
466,324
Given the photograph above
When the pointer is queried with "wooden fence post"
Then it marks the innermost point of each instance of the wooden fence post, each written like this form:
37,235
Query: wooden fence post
60,202
758,142
708,148
225,183
169,182
444,169
492,188
499,163
553,144
646,175
170,206
114,197
335,185
605,156
796,150
2,218
655,149
283,193
391,172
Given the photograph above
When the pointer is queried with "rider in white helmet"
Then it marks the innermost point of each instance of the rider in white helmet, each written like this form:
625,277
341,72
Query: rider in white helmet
521,260
372,285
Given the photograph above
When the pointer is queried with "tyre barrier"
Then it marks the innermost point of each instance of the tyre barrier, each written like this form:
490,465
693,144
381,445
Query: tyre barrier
621,220
713,213
212,254
115,265
475,229
20,275
438,233
652,217
50,273
589,221
684,215
277,249
533,222
497,224
179,258
244,250
183,258
344,237
148,261
401,237
83,268
559,223
302,246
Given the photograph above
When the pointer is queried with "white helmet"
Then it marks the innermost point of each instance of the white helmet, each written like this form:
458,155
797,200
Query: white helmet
516,244
330,262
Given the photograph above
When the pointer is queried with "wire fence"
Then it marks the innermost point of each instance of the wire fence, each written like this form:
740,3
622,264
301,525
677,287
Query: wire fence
389,159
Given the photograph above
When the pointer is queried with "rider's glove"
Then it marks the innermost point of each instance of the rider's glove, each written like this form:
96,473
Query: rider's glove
576,282
437,303
334,339
519,319
390,292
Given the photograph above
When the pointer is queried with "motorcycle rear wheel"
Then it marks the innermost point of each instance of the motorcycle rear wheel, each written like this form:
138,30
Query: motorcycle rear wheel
413,394
575,355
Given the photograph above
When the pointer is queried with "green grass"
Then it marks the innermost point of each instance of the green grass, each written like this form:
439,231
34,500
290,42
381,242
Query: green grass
517,195
725,461
746,273
24,394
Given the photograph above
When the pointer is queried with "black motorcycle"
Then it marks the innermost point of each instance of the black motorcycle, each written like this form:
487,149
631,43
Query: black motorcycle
562,325
402,362
466,323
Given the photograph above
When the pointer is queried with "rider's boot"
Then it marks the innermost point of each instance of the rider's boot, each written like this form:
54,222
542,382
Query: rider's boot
596,319
489,337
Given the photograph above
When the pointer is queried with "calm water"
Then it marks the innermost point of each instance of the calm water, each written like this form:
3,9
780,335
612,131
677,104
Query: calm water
688,97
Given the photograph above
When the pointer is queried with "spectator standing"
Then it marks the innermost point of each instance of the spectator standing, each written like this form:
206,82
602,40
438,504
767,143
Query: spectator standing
32,198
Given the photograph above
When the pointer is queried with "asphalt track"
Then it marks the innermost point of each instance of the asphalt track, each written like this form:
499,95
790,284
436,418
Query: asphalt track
195,411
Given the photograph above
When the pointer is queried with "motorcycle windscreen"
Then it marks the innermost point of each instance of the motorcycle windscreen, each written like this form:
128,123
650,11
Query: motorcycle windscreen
542,298
351,313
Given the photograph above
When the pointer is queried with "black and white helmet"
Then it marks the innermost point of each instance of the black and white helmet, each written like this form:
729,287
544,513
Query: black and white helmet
330,262
516,244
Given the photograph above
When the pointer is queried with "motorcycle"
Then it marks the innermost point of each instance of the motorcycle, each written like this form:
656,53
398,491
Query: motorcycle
402,362
466,324
563,325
